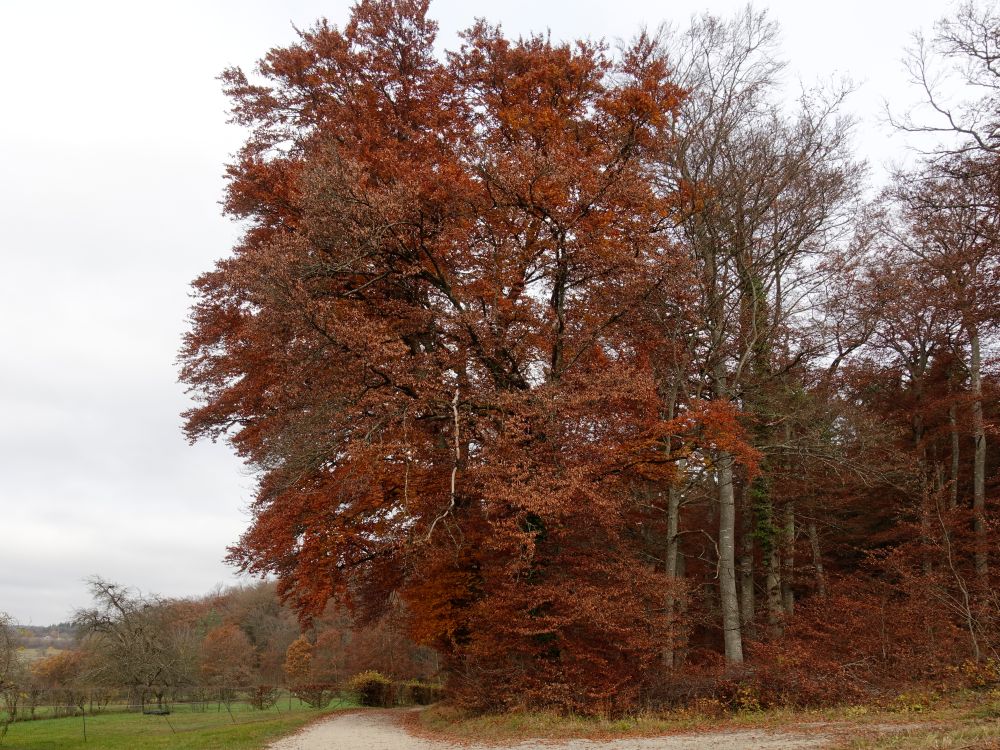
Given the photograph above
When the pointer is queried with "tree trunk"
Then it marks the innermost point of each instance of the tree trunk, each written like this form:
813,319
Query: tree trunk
925,493
979,457
673,517
748,603
955,447
728,596
673,523
771,549
774,610
788,559
817,559
680,650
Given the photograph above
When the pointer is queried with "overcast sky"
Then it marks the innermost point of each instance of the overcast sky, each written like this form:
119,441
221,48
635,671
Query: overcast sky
115,137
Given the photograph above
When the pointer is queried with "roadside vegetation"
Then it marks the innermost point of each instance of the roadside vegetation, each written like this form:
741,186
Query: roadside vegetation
963,719
233,668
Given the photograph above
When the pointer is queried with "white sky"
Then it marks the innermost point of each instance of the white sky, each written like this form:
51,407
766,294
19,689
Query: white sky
114,138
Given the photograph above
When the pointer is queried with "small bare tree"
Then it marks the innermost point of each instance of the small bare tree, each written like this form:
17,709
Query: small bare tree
11,670
134,643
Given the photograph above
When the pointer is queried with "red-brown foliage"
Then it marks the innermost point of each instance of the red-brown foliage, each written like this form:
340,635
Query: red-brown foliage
456,343
425,341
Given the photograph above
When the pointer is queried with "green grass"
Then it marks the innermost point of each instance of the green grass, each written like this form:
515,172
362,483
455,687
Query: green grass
181,730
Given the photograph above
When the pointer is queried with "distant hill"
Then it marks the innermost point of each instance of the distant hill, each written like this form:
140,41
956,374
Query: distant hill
44,640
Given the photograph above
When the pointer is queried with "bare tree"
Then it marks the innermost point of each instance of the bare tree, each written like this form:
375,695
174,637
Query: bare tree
11,672
772,193
958,72
134,642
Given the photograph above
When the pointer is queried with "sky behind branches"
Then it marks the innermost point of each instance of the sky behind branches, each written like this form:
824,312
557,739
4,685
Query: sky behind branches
115,134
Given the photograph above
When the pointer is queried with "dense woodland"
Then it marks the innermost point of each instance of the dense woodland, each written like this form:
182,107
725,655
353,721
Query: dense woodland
606,375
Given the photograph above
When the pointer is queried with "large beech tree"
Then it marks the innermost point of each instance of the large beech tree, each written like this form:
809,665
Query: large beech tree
431,342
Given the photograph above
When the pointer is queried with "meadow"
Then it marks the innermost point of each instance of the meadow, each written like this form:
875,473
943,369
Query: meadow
186,727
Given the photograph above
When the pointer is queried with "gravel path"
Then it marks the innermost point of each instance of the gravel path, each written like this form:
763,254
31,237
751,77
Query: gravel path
381,731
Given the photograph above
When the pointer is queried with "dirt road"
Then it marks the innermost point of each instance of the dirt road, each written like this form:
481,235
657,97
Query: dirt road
382,731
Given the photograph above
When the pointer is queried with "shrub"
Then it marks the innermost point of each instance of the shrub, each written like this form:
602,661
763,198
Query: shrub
373,689
263,697
707,706
980,675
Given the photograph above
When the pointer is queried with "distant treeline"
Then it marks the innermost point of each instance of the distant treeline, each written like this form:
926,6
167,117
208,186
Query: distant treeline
234,644
61,636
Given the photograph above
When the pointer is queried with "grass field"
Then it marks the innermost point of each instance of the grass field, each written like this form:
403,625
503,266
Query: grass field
182,730
30,655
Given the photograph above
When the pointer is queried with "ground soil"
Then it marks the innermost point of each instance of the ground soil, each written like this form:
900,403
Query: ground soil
383,730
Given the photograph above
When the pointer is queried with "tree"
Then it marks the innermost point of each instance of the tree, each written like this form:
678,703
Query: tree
227,658
12,671
964,54
535,347
270,628
301,672
9,659
427,342
135,642
772,196
298,662
950,228
59,678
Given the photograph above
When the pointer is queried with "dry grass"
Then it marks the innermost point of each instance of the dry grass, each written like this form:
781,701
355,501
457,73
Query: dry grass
964,721
961,721
449,721
446,722
976,737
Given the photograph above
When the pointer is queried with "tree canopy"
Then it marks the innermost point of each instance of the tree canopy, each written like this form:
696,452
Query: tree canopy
570,355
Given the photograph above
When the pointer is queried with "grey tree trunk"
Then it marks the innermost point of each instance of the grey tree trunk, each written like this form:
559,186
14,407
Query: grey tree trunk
680,649
955,447
817,559
979,457
673,517
728,596
925,493
773,583
748,604
673,523
788,559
